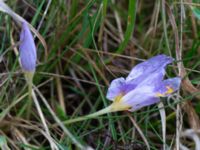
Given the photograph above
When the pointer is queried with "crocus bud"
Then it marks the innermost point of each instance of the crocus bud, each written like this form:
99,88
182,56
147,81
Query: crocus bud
27,49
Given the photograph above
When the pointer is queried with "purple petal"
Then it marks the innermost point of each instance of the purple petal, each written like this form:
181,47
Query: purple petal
144,93
140,97
127,87
27,49
143,69
138,94
149,92
167,87
147,101
150,80
115,88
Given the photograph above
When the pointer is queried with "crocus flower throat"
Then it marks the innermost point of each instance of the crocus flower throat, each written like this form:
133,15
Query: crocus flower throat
144,85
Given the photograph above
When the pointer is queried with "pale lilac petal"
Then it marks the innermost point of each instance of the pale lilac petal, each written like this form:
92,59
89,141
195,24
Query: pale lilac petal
27,49
127,87
140,97
168,86
145,68
115,88
137,95
144,93
151,80
148,93
147,101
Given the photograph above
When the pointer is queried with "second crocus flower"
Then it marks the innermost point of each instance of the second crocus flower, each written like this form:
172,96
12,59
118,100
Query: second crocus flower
27,49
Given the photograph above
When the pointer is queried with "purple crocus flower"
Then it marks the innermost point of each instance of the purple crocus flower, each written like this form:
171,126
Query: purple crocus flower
144,85
27,49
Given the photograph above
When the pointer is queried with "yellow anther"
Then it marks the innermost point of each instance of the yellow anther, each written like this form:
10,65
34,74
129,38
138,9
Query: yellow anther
169,91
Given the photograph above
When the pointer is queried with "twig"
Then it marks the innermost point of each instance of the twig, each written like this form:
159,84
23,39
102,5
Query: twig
163,121
53,145
67,132
139,130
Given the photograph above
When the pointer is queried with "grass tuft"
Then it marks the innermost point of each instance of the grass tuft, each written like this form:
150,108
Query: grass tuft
82,46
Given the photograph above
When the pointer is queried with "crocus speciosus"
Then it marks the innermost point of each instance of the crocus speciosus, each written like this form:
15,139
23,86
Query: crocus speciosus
144,86
27,49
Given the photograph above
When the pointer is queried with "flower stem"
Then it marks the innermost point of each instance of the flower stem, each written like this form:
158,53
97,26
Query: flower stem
29,80
93,115
114,107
